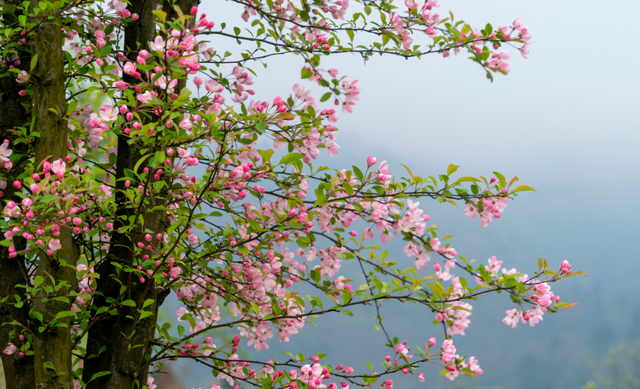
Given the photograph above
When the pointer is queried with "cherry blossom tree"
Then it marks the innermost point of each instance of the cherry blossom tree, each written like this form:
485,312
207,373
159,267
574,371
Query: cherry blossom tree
122,185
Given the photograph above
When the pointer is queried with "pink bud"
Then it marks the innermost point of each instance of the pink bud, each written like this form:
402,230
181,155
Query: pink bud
197,80
432,341
451,368
371,160
194,10
17,184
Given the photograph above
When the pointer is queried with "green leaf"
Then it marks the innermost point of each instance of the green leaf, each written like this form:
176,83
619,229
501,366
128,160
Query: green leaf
128,303
304,73
98,375
452,169
576,273
37,281
62,315
148,302
467,179
488,29
34,61
160,14
500,177
522,188
315,275
351,34
290,158
38,316
140,161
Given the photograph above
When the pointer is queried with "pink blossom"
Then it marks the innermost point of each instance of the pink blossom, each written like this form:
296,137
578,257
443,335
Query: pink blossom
157,44
22,77
10,349
145,98
5,152
108,113
193,239
58,168
54,244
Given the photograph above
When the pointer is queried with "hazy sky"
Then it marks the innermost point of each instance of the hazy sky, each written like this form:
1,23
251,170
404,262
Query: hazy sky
564,121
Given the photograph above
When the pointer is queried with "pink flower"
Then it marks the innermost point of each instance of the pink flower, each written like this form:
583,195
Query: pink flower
100,41
54,244
22,77
213,86
108,113
193,239
5,152
10,349
185,124
512,318
157,44
121,85
145,98
58,167
129,68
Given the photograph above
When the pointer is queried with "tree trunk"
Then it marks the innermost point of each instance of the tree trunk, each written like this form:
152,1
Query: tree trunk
51,344
18,372
125,341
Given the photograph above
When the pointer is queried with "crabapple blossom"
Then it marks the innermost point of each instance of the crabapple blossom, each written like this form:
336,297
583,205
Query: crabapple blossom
113,164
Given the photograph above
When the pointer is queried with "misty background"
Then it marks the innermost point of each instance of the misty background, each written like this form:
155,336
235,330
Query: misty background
563,121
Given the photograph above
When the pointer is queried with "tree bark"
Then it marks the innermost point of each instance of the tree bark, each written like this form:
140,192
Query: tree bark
52,349
126,341
18,372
